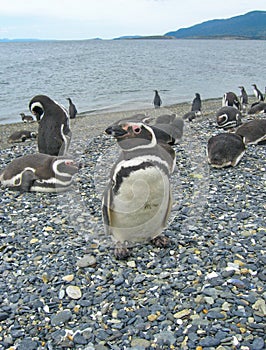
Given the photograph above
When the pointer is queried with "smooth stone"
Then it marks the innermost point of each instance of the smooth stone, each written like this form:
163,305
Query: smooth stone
86,261
61,318
73,292
27,344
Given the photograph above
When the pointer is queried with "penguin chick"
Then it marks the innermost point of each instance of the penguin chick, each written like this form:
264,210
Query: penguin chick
22,136
54,134
72,109
253,132
225,150
228,117
26,118
39,173
230,99
137,201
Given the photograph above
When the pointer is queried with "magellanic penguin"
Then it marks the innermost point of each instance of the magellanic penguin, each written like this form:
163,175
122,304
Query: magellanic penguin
72,109
54,134
258,107
157,102
243,98
258,94
168,128
228,117
22,136
26,118
191,115
224,150
39,173
253,132
230,99
196,103
137,202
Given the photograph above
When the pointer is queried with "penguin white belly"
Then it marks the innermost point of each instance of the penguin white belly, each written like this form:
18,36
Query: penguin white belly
141,206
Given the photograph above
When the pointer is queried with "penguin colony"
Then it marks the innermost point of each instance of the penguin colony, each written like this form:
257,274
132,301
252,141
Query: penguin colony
137,201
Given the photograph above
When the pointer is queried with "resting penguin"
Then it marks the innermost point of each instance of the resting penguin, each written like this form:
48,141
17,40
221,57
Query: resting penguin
26,118
137,201
191,115
253,132
228,117
168,128
196,103
22,136
258,94
53,133
157,100
225,150
72,109
39,173
230,99
258,107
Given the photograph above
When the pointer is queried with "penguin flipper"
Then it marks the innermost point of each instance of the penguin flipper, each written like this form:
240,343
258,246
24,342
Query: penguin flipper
27,180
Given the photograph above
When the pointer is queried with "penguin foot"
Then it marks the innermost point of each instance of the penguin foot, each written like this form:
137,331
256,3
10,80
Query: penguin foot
121,252
160,241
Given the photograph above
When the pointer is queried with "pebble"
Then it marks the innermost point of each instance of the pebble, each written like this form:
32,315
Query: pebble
61,317
73,292
86,261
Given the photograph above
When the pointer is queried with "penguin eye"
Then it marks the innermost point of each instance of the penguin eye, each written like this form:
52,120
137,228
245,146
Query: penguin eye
68,162
136,129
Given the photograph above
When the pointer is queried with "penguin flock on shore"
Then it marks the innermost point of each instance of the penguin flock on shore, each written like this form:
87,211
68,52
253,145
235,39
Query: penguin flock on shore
137,201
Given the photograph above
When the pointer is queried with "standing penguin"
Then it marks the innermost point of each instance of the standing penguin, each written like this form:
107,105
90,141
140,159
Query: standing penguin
196,103
230,99
54,134
157,100
258,94
72,109
137,202
243,98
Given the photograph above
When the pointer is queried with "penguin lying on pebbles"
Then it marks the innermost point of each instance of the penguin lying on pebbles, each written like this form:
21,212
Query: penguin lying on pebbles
26,118
253,132
230,99
39,173
191,115
137,202
168,128
22,136
228,117
225,150
258,107
53,133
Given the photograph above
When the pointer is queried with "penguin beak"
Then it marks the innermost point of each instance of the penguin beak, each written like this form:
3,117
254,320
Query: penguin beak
116,130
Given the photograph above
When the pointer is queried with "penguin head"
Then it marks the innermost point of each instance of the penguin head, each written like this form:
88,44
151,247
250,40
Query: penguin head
132,135
65,166
37,109
222,120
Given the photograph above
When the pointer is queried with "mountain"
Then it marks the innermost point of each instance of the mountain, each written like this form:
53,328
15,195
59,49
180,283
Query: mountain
251,25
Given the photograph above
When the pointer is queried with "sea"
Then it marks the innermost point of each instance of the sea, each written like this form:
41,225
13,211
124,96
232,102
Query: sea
114,75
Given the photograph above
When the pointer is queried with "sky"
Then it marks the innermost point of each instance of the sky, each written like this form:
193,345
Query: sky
108,19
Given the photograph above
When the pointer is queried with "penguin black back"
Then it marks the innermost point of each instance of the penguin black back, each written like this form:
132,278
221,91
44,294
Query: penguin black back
53,133
157,100
72,109
196,103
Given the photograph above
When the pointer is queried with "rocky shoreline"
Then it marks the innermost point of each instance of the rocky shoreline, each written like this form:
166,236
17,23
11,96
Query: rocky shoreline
61,287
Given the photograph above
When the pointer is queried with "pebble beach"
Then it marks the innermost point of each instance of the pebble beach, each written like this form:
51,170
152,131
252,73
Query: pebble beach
62,288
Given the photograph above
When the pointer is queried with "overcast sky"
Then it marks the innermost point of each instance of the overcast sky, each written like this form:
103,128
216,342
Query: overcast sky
107,19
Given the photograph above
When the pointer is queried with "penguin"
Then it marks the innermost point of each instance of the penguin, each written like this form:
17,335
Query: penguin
26,118
191,115
39,173
258,94
157,100
243,98
137,201
258,107
228,117
72,109
54,134
230,99
224,150
253,132
168,128
196,103
22,136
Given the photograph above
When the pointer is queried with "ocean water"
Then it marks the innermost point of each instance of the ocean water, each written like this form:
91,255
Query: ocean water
123,74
